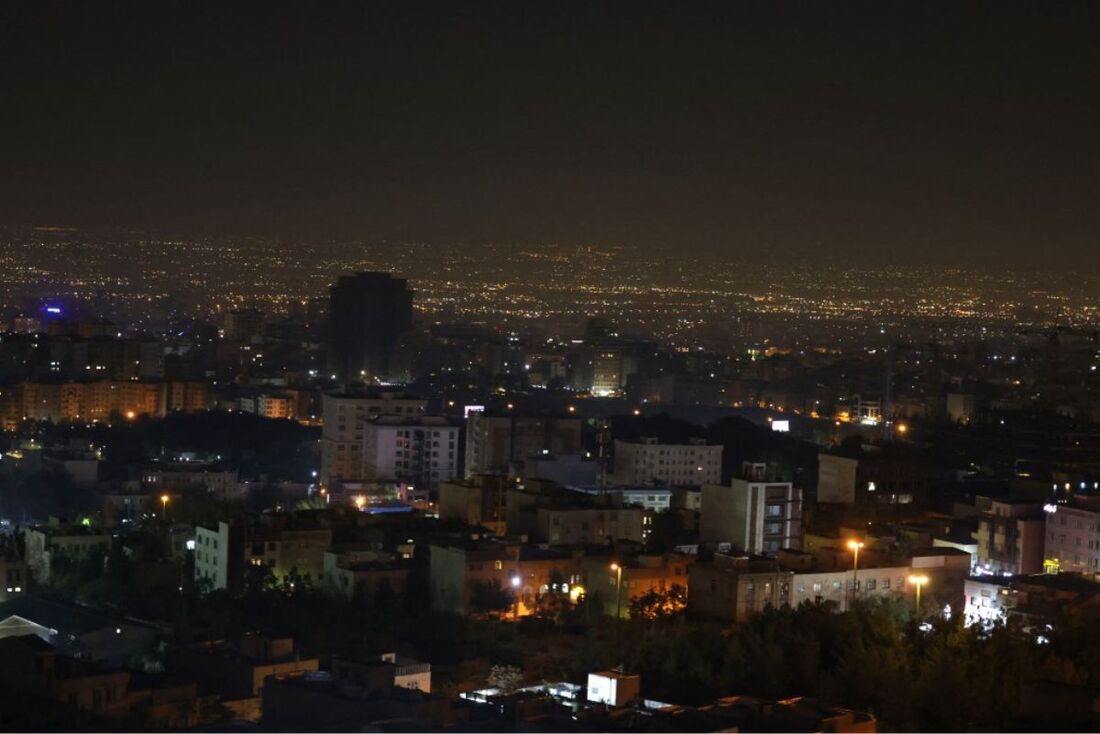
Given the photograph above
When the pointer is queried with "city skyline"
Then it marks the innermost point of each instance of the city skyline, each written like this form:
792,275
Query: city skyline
549,367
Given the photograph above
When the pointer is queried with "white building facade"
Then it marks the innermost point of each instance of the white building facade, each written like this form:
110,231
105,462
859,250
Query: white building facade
342,435
422,451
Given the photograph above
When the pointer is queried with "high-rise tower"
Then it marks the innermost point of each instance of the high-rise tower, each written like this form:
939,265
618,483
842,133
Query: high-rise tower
368,313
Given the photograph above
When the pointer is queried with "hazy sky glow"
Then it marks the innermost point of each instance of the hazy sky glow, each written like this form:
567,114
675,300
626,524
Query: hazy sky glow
917,132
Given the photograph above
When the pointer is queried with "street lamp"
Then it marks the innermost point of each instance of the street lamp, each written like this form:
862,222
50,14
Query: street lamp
515,586
919,581
360,500
854,546
618,589
164,505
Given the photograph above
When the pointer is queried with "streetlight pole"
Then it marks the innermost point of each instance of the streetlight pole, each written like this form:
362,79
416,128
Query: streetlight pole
618,589
164,506
854,546
918,581
515,597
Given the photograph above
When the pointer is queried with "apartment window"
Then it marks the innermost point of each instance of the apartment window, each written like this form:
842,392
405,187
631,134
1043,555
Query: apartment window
816,587
870,585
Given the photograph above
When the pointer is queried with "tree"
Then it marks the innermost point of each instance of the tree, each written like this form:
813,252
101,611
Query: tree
507,678
487,597
656,604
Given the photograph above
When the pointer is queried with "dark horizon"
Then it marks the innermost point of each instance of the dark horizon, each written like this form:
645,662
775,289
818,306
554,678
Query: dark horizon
866,133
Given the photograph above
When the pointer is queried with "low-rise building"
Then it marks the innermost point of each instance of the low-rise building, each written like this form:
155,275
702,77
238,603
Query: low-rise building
672,465
522,573
33,667
221,482
593,525
495,442
478,501
756,516
77,630
14,576
347,573
222,553
652,498
638,576
1072,540
59,542
1033,601
735,588
238,671
1010,536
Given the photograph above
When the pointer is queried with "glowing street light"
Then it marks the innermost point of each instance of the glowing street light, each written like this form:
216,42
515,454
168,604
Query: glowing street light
855,546
360,500
918,581
515,586
618,589
164,505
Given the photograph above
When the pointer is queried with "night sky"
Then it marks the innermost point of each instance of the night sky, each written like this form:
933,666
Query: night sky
918,132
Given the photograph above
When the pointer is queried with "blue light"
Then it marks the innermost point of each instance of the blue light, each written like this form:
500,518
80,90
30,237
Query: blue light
53,309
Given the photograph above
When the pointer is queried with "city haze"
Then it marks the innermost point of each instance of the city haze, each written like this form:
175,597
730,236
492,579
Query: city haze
862,132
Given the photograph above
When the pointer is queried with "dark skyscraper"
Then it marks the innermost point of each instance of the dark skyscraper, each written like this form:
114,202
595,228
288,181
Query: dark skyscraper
369,312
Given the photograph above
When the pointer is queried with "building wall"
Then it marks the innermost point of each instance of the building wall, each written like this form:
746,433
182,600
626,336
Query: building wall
756,517
987,602
478,501
649,462
735,595
493,442
639,577
212,555
14,577
597,526
1010,538
1073,539
423,453
342,433
44,545
89,401
836,479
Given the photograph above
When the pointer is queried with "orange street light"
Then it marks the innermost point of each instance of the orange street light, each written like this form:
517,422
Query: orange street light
618,589
918,581
164,505
855,546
